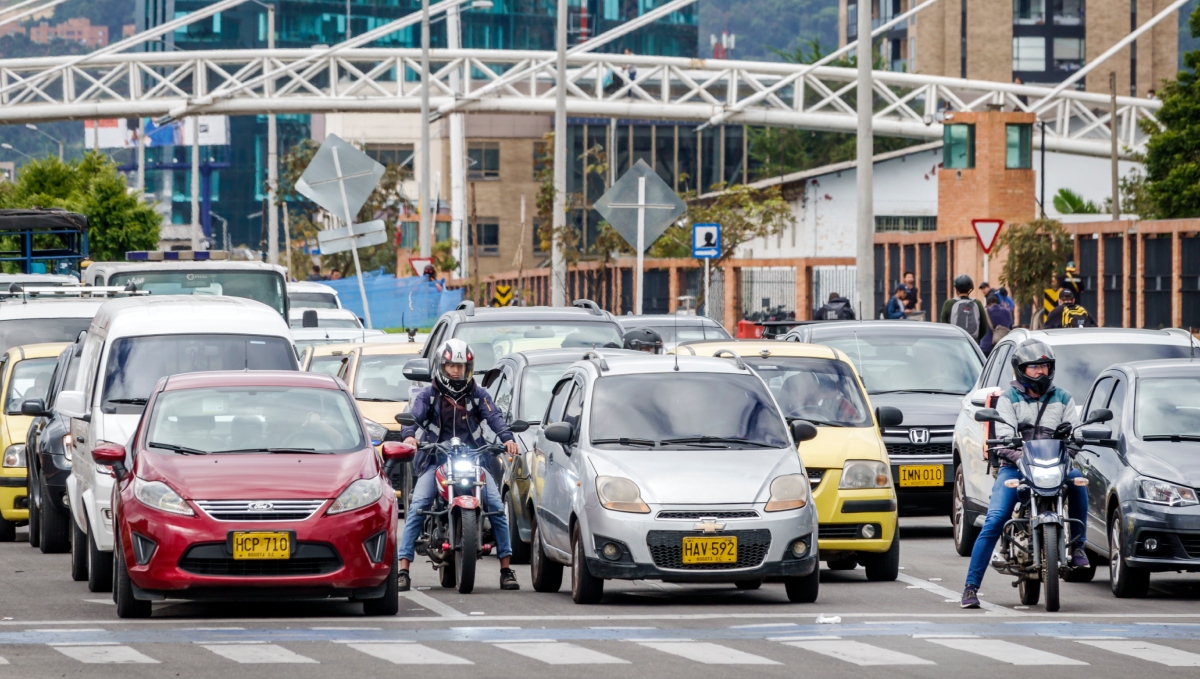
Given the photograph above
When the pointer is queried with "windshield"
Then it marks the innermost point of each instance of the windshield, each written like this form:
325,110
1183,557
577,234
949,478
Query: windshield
30,379
381,378
261,286
735,411
326,365
898,362
328,323
1076,366
135,364
492,341
250,419
18,332
1167,406
819,390
535,389
313,300
687,333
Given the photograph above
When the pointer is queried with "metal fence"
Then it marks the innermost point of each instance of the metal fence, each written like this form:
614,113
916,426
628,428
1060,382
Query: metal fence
839,279
768,293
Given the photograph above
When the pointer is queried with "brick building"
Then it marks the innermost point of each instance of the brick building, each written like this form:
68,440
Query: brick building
77,29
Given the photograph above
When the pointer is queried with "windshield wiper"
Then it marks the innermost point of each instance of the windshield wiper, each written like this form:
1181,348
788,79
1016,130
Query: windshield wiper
269,450
919,391
380,400
718,439
127,401
628,442
178,449
1172,437
819,423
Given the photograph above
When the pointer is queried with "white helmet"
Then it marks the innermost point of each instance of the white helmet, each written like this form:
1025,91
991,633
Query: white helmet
453,351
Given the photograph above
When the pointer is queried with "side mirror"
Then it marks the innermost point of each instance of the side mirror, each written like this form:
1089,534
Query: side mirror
518,426
888,416
112,455
1095,433
72,404
34,407
309,319
1098,415
988,415
559,432
417,370
395,450
803,431
406,419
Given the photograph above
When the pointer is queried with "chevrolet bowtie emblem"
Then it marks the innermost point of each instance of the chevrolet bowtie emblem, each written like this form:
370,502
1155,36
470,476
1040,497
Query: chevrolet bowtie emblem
709,526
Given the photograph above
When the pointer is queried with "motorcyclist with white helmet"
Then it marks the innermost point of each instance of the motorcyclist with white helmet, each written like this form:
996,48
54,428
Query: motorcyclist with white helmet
454,406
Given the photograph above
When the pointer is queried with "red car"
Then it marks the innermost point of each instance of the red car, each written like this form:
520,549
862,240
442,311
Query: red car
254,484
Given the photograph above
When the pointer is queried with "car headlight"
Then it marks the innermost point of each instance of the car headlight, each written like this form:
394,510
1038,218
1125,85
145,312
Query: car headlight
14,455
859,474
1163,493
359,494
376,431
620,495
788,492
1046,477
160,496
68,443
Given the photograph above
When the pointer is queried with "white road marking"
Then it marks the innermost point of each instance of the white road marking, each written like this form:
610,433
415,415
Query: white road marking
1144,650
556,653
953,596
110,602
708,653
410,654
859,653
425,601
257,654
104,654
1004,651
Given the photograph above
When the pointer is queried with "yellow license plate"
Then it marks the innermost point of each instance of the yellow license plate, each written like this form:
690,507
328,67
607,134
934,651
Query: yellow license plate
922,475
262,545
709,550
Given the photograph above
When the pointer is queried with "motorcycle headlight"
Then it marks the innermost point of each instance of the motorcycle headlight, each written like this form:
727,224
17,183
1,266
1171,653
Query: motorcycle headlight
1163,493
68,444
14,455
1046,477
376,431
860,474
788,492
160,496
620,495
359,494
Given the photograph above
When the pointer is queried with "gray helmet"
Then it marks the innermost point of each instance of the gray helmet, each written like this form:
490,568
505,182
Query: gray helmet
1033,352
644,339
963,284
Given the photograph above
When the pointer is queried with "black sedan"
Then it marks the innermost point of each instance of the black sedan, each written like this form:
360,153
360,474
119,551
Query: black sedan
1143,471
48,446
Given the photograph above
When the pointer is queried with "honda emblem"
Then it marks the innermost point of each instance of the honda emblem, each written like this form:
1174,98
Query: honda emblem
919,436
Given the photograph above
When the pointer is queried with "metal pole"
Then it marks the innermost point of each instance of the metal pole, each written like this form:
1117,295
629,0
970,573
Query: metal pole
707,308
865,236
362,289
1116,181
287,230
458,168
558,261
272,156
141,157
1043,170
196,234
641,246
347,19
425,237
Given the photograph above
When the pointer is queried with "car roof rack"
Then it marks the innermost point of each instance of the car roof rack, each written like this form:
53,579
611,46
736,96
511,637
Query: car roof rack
597,358
69,291
722,353
589,305
466,306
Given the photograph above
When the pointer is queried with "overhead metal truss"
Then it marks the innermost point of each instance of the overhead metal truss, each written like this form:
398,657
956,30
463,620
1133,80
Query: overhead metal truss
666,88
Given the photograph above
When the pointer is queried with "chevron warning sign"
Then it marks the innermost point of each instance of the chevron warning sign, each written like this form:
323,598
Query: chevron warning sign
503,296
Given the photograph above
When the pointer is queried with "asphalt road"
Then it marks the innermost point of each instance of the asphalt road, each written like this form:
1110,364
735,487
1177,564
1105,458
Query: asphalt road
914,627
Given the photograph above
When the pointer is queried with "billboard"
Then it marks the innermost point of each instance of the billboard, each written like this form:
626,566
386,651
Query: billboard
122,133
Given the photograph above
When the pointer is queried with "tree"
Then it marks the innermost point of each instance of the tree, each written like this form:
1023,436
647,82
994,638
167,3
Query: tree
1067,202
1037,254
744,214
1173,152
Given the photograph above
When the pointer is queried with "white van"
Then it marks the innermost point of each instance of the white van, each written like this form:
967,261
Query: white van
131,344
36,321
258,281
312,295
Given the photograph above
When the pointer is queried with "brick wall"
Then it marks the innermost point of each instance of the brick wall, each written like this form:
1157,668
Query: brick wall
990,190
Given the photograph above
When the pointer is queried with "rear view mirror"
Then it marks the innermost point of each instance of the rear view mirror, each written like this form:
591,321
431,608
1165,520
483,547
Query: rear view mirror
803,431
309,319
406,419
1095,433
71,404
559,432
1098,415
112,455
518,426
34,407
988,415
417,370
888,416
395,450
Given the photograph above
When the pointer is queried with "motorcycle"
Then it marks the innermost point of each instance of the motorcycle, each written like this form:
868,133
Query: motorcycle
1034,542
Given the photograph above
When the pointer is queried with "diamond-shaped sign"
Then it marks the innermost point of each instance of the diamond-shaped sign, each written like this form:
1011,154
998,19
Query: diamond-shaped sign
620,205
339,178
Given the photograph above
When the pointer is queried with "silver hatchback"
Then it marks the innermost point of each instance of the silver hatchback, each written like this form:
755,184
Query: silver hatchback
681,470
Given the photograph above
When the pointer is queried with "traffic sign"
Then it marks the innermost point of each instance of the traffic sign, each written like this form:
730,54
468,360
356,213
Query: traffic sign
339,178
626,203
358,236
706,241
503,296
986,231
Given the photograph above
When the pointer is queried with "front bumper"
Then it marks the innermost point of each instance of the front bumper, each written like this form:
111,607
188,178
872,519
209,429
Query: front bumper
14,494
1176,529
843,513
792,568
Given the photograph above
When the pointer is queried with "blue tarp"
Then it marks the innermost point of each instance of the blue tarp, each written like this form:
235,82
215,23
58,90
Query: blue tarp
410,302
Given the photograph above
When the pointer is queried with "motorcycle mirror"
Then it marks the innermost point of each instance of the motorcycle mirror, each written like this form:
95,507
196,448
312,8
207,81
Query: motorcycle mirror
803,431
406,419
1098,415
888,416
559,432
518,426
394,450
988,415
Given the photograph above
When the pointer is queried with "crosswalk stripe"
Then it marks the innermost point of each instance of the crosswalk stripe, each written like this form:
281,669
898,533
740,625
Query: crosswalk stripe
859,653
410,654
257,654
1004,651
708,653
558,653
1143,650
101,655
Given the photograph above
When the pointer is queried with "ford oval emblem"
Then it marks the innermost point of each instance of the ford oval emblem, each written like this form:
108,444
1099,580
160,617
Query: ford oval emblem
261,506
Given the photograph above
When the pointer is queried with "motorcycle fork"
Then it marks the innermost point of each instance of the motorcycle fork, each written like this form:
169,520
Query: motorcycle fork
1035,544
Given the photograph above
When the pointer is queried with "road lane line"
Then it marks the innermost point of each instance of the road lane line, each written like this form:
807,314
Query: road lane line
559,653
707,653
425,601
104,654
410,654
1143,650
943,592
859,653
257,654
1004,651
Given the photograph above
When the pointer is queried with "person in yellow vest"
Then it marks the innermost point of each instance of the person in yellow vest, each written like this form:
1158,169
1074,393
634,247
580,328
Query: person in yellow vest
1069,314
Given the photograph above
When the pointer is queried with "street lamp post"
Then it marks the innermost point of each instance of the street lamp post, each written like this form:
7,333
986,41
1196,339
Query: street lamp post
273,147
864,279
9,147
558,262
425,237
56,140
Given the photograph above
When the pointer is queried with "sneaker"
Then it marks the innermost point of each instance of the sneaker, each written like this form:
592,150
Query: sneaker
403,583
1079,558
508,579
970,597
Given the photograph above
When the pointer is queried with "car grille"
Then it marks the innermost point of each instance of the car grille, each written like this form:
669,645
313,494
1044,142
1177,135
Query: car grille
310,558
260,510
1191,544
902,449
731,514
815,476
839,531
666,548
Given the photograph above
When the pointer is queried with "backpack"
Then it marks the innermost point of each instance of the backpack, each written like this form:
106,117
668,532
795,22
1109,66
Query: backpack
965,314
837,310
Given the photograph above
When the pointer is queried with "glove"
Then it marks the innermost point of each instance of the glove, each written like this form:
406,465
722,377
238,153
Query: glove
1062,431
1011,454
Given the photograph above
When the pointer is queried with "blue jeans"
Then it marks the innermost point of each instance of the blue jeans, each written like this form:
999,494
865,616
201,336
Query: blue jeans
423,493
1000,509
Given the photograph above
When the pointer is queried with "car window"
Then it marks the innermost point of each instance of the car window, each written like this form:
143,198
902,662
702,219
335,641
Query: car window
1001,373
818,390
435,340
501,392
21,331
1116,403
1167,406
904,361
1099,395
574,410
557,401
326,365
381,378
535,388
492,341
1076,366
30,379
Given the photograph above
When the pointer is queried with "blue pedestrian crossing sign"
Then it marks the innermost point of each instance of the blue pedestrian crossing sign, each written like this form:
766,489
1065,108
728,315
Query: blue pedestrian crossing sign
706,241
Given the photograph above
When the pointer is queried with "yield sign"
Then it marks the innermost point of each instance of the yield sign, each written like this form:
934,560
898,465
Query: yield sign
986,231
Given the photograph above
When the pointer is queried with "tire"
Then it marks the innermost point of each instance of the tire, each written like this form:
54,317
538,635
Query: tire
389,603
547,574
127,605
8,530
1030,592
842,564
446,575
100,567
748,584
883,567
1127,582
467,554
1051,557
35,529
585,587
803,589
79,564
520,548
965,531
54,527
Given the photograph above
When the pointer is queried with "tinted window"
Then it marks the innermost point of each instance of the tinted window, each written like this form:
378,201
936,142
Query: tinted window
328,323
1117,404
381,378
313,300
1167,405
1100,394
261,286
30,379
1001,371
535,389
574,410
493,341
1077,365
815,389
19,332
326,365
899,362
554,411
688,333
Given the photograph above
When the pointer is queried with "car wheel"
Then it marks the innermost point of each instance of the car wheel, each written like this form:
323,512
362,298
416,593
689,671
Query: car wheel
8,530
1127,582
803,589
100,567
520,548
127,605
389,603
965,531
79,540
585,587
55,529
748,584
547,574
35,528
883,567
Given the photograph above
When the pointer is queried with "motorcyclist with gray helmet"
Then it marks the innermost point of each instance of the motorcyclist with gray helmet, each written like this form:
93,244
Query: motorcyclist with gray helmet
643,339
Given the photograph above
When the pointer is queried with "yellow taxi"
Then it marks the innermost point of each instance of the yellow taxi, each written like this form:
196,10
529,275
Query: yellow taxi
847,463
327,359
25,373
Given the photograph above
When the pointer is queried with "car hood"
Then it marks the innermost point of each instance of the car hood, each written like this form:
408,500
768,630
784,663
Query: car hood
117,428
834,445
18,427
270,476
922,410
383,412
1174,462
698,476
